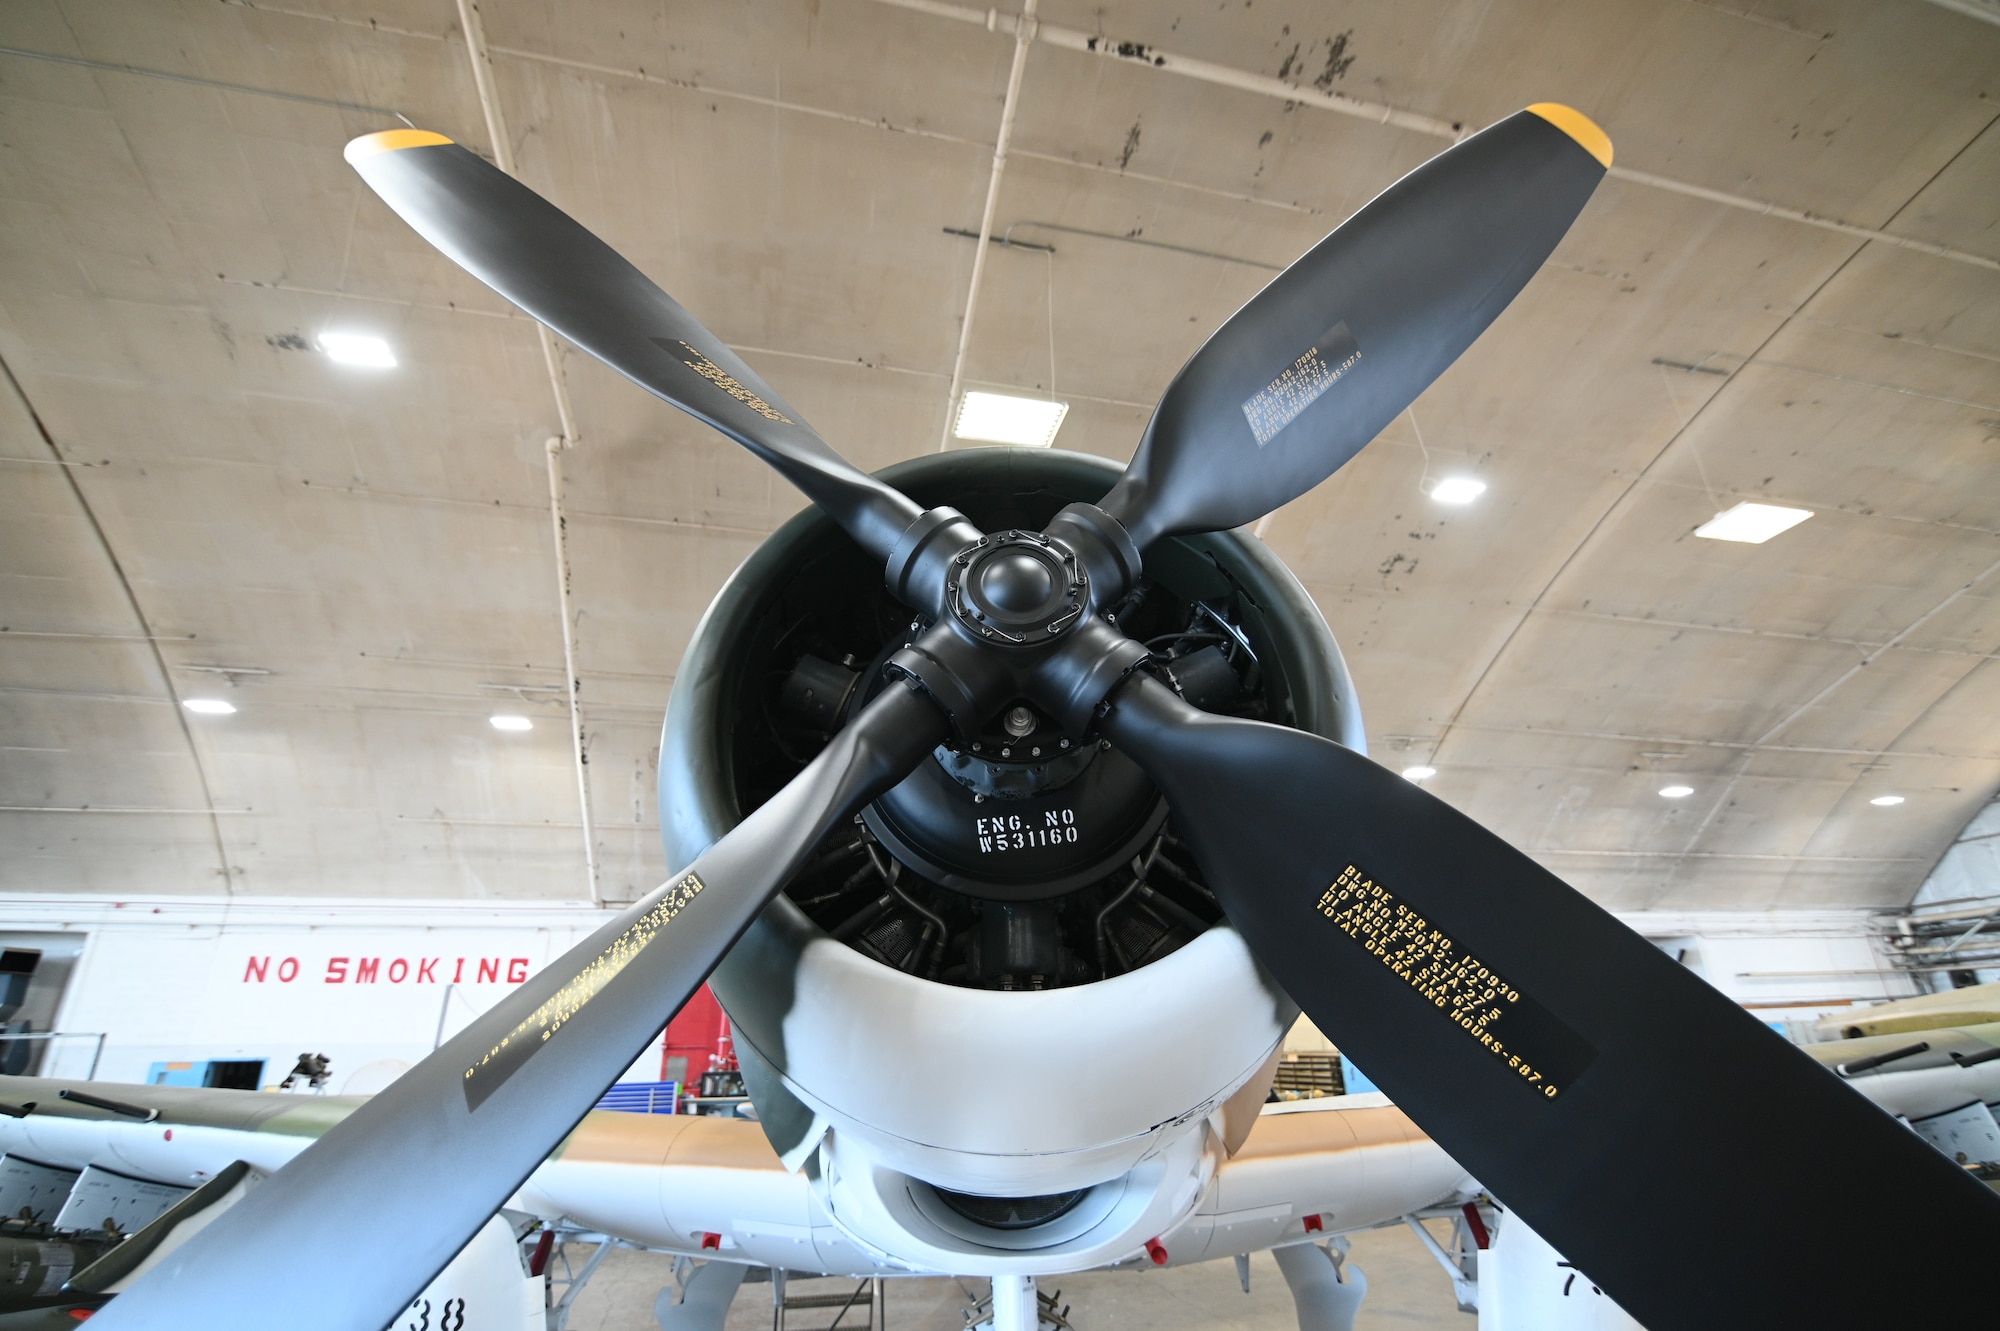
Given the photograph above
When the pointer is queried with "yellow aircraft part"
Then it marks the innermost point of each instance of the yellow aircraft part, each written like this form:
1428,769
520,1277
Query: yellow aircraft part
1971,1006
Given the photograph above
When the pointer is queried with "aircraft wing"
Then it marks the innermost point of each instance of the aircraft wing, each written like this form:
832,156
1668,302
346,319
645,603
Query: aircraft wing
1318,1167
1917,1074
713,1188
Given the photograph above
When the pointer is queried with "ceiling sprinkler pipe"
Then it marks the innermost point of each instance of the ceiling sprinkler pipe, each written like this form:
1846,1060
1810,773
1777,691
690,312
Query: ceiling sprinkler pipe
572,684
1024,37
503,157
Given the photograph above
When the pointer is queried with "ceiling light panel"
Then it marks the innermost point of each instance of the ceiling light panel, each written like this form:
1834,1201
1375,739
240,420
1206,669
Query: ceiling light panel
209,706
1421,772
1676,792
1886,801
996,418
1752,524
505,722
358,349
1457,490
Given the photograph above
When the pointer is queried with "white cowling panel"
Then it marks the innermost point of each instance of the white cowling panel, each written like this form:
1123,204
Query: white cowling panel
1024,1093
891,1212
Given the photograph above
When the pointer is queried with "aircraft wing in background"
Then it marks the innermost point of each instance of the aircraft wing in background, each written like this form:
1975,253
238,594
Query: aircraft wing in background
700,1187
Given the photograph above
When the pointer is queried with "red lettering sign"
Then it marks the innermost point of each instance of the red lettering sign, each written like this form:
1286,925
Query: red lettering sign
399,970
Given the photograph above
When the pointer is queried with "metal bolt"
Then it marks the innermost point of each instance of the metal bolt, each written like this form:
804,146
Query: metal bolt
975,749
1006,753
1035,752
1063,742
1104,744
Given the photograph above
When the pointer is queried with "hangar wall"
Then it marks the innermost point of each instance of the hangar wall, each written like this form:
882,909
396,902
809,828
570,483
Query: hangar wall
1967,875
166,980
371,984
1970,868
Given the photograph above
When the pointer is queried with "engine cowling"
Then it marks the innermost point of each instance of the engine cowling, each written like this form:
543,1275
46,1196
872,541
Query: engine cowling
998,1020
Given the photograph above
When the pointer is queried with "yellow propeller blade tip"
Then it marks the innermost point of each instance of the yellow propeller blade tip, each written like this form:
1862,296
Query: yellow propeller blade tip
1577,125
388,141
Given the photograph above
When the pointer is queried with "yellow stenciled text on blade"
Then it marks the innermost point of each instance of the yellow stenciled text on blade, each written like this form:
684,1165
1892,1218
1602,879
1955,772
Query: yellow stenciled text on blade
587,983
1470,993
729,384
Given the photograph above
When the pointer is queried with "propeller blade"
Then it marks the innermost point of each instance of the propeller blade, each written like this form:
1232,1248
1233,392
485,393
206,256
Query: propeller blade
1340,343
345,1236
1682,1155
544,261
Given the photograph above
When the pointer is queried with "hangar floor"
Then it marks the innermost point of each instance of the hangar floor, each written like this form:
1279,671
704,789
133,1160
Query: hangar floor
1405,1290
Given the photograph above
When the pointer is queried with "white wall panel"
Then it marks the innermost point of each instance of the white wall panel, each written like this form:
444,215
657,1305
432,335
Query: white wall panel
176,980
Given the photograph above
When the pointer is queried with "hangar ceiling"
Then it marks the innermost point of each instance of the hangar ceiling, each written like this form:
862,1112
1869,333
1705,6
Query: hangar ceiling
198,503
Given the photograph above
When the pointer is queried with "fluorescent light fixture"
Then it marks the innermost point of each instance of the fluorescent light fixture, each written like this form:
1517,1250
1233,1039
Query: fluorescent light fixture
505,722
358,349
1752,524
1420,772
996,418
1886,801
1457,490
1676,792
209,706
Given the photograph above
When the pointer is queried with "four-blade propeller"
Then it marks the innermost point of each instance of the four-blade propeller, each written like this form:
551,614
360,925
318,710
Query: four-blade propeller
1620,1105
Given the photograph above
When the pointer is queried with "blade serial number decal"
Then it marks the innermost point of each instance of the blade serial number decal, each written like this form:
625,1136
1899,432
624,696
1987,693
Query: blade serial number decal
722,379
1315,371
1546,1054
491,1072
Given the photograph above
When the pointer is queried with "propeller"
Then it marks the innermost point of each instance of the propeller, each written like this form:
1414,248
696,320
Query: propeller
546,262
1665,1141
344,1236
1341,342
1570,1065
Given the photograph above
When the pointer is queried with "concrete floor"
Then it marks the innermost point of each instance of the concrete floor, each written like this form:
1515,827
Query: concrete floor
1406,1288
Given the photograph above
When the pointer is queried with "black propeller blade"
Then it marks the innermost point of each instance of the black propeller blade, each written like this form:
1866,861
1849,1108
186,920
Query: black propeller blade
344,1236
544,261
1684,1156
1340,343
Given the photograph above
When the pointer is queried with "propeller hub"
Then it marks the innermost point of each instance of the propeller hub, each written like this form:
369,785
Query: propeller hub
1016,589
1016,582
